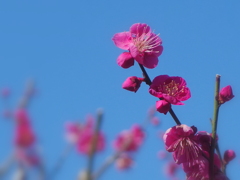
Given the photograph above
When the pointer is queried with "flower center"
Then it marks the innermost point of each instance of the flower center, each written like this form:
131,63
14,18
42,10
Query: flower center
172,88
146,41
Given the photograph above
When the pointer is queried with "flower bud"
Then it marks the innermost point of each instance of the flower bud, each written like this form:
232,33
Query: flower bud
132,83
225,94
125,60
163,106
229,155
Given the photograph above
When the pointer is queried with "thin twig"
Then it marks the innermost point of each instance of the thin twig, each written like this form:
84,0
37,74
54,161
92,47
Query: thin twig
214,127
94,145
61,161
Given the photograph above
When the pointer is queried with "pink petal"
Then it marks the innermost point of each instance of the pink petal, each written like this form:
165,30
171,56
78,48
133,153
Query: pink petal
150,61
122,40
125,60
139,29
137,55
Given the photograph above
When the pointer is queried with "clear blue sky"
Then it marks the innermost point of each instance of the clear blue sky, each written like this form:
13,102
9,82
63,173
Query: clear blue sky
66,47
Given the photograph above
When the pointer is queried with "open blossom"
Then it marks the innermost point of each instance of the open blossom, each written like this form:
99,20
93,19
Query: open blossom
171,90
180,140
225,94
143,45
130,140
132,83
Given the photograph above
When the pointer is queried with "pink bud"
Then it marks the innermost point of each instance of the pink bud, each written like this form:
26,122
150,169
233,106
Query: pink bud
132,83
225,94
229,155
125,60
163,106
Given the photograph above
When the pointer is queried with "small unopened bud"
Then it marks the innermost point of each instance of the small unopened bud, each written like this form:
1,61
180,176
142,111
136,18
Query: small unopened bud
229,155
225,94
132,83
163,106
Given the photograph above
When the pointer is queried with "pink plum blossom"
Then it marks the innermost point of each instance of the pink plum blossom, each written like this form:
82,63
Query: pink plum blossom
229,155
180,140
143,45
225,94
130,140
132,83
170,88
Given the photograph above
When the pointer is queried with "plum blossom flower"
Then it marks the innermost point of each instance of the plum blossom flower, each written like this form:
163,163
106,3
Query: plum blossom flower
130,140
132,83
143,45
225,94
180,140
171,90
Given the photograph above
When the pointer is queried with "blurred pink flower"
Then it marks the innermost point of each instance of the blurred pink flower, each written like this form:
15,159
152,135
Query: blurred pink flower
83,136
73,131
229,155
24,135
130,140
180,140
143,45
171,89
123,162
132,83
85,141
225,94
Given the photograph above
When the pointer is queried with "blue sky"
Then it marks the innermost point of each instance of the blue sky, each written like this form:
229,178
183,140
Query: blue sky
66,47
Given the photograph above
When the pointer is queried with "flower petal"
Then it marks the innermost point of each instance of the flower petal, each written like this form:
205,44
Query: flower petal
139,29
125,60
122,40
150,61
